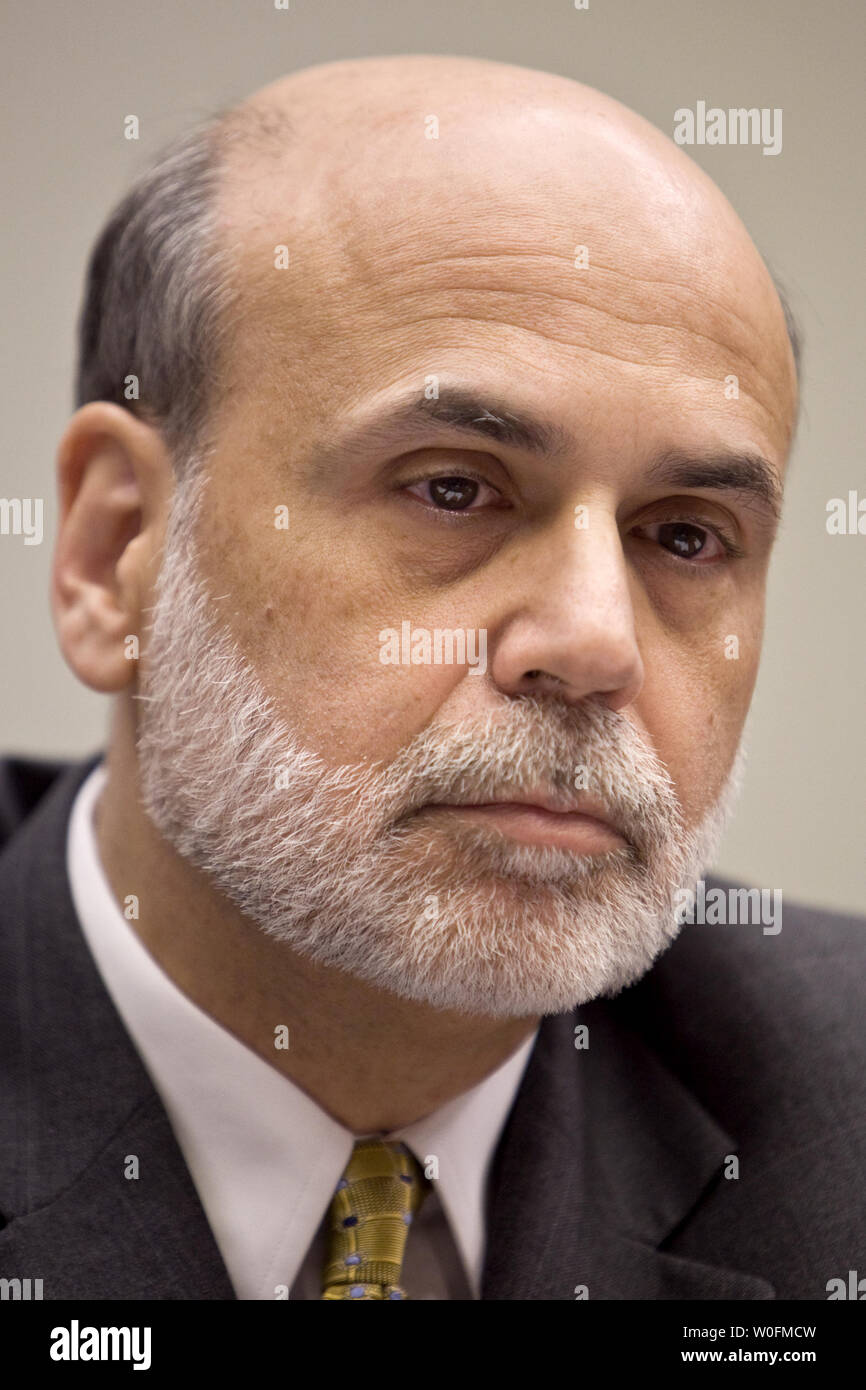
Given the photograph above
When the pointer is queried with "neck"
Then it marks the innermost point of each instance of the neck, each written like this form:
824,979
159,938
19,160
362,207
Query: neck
373,1061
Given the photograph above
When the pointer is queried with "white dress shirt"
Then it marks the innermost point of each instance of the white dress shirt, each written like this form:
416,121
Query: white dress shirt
264,1157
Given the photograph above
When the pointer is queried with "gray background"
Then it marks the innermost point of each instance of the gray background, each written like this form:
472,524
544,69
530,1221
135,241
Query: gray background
72,71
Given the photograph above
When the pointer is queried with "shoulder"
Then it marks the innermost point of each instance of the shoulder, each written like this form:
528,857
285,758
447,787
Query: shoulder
777,1002
757,957
766,1028
25,783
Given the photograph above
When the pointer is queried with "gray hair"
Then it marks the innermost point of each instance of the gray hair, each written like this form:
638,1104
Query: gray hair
159,284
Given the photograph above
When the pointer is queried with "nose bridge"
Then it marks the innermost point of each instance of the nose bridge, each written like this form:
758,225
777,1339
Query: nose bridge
594,556
571,615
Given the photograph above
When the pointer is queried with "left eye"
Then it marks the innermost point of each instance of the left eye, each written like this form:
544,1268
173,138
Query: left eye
452,492
684,540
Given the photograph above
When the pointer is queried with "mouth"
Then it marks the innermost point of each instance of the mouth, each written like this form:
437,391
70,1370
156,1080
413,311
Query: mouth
581,826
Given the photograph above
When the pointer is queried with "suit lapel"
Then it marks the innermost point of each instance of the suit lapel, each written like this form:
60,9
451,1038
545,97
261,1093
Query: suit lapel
82,1106
109,1236
604,1155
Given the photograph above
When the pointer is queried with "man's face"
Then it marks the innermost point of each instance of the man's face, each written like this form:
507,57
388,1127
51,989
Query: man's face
606,572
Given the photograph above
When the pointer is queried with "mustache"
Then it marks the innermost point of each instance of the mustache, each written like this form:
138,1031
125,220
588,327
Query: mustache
536,745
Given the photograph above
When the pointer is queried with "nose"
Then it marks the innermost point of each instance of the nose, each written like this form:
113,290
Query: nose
570,625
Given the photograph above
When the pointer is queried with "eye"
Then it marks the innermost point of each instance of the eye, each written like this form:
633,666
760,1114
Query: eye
453,492
685,540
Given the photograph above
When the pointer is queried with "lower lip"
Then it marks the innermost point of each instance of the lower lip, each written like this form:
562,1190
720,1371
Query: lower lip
533,825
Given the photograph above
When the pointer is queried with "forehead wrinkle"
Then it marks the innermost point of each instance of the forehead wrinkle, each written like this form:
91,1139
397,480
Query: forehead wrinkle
699,300
671,363
479,297
367,296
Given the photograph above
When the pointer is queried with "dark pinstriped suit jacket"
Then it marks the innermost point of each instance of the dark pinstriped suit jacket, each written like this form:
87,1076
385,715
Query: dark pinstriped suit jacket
611,1170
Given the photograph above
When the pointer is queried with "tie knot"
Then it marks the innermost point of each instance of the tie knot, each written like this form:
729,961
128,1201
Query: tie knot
383,1158
369,1219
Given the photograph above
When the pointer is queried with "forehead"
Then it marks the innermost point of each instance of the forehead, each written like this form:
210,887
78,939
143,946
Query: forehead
579,253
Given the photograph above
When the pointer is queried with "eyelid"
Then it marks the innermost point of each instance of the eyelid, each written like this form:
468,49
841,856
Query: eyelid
697,511
428,476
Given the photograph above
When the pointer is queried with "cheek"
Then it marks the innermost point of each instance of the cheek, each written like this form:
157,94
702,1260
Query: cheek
694,704
308,612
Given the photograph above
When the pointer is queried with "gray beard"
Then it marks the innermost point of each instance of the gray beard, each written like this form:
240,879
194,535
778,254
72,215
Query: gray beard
340,864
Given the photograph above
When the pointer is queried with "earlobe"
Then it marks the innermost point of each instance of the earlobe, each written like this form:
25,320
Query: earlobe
93,637
114,481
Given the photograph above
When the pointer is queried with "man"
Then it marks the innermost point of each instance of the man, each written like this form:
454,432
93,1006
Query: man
433,422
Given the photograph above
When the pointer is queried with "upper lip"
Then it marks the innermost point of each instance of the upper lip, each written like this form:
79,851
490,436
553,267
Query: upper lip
559,803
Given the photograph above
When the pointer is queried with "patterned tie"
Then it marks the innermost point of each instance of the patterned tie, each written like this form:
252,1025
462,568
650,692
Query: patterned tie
370,1215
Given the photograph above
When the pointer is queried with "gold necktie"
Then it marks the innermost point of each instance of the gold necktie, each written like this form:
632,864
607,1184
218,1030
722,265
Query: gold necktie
369,1219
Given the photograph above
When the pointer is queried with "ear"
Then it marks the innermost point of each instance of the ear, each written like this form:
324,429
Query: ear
115,484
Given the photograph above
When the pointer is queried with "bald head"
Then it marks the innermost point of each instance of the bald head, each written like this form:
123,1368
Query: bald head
356,159
479,182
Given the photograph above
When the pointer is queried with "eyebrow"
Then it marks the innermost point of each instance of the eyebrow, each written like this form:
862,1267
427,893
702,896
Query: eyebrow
747,473
457,409
468,412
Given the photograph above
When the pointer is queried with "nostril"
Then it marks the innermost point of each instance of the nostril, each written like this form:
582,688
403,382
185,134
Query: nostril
543,676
